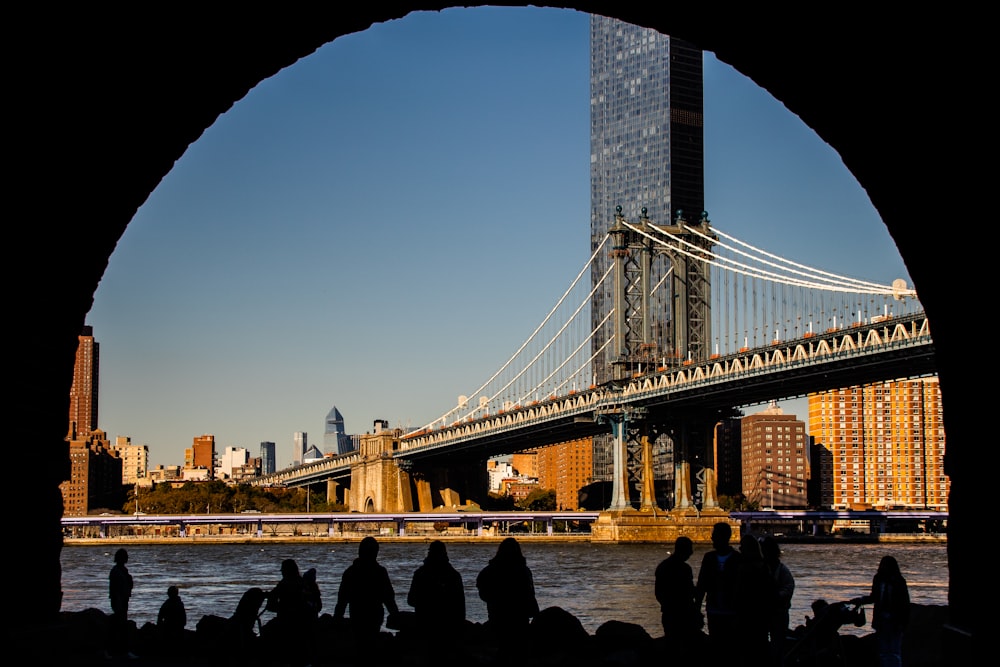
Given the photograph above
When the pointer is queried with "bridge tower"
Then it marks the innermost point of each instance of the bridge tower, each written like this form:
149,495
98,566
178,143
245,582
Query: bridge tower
684,330
687,324
690,326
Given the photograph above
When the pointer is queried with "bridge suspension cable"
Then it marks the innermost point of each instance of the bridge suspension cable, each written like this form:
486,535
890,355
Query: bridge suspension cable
506,386
757,298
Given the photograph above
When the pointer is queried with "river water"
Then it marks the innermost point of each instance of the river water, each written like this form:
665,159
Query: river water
594,582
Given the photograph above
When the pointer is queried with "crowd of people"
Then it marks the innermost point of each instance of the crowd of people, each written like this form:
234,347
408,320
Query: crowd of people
735,611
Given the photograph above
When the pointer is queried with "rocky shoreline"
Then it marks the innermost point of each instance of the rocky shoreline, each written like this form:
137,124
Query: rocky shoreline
555,639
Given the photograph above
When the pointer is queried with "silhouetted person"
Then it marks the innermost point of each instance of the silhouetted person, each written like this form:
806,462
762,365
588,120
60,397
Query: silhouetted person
508,589
172,617
288,598
753,602
291,616
717,586
242,625
366,592
674,590
782,589
313,598
119,592
437,595
890,600
818,641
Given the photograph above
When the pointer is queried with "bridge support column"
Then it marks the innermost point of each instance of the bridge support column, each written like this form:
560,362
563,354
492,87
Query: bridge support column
619,483
425,501
450,497
648,500
708,499
334,493
682,486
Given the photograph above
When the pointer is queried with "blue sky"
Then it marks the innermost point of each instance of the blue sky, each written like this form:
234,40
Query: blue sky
380,226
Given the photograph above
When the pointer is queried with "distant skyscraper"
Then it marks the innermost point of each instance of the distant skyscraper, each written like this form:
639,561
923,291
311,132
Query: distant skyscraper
335,438
646,151
83,392
300,443
268,463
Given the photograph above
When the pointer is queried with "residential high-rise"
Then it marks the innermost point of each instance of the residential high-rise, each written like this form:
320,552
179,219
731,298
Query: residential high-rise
566,468
883,445
268,464
775,459
201,454
95,469
95,476
646,152
83,391
135,459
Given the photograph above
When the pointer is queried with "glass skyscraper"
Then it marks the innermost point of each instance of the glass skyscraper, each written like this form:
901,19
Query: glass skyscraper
335,438
268,462
646,151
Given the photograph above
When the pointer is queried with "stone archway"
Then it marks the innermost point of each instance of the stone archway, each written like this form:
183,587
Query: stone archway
96,133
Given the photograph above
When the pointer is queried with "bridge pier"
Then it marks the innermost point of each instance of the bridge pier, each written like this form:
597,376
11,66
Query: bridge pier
425,500
651,524
380,482
337,492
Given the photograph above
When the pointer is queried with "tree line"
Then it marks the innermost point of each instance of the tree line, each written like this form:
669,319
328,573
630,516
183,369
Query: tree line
217,497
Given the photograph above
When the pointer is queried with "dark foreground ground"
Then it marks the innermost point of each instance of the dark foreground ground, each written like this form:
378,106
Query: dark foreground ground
556,638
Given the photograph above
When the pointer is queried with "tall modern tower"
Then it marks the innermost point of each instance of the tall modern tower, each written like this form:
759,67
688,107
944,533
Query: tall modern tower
83,392
268,464
300,443
646,154
335,438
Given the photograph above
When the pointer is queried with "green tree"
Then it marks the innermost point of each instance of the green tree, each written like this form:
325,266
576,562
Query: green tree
498,503
542,500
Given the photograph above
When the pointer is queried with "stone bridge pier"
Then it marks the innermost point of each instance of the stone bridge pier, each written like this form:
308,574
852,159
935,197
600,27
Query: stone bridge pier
381,483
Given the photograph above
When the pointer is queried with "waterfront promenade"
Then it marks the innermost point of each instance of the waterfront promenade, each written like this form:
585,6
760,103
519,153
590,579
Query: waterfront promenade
787,525
350,538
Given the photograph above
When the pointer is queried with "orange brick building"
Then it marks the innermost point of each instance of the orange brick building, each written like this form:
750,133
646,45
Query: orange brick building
882,444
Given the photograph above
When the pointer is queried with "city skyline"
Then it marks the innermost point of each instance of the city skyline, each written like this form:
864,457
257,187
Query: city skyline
380,225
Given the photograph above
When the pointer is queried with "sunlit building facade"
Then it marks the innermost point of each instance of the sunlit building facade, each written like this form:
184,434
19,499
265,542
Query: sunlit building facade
566,468
775,459
135,459
83,392
201,455
884,443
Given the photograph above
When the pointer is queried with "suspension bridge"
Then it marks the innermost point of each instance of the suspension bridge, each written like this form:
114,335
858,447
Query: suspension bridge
664,329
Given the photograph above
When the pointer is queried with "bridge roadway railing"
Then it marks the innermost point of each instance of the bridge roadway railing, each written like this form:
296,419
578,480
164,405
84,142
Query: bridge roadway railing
749,370
853,343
